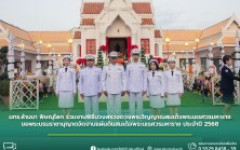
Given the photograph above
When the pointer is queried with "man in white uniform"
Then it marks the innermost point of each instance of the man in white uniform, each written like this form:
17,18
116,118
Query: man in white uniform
89,86
136,83
173,87
113,84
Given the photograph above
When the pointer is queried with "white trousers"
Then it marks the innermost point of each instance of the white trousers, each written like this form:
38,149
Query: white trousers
136,104
114,104
91,105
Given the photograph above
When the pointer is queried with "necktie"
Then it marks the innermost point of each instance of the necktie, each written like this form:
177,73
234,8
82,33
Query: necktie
172,73
66,69
153,74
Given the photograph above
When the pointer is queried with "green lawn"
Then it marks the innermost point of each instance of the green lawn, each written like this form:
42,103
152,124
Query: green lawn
38,139
189,99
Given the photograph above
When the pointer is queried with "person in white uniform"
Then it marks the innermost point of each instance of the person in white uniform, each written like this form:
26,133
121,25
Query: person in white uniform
89,86
113,84
66,86
174,87
136,83
155,88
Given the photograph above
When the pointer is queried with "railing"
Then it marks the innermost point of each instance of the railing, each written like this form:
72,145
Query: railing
216,91
24,94
216,94
237,93
188,80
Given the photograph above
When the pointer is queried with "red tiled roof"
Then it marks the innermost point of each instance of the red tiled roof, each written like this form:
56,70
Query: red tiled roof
88,21
59,48
27,46
50,36
205,44
215,29
58,40
177,47
19,33
181,35
92,7
97,7
158,34
3,42
142,7
229,40
147,21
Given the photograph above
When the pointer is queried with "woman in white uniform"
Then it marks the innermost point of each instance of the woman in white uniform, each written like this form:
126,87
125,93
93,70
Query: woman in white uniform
155,88
66,86
174,87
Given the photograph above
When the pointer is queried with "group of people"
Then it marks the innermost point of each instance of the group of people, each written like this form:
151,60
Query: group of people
135,80
227,83
114,82
203,84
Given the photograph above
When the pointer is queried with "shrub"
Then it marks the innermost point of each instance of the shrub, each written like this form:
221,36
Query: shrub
4,87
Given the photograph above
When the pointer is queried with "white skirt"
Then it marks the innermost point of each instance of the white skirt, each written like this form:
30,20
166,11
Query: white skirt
173,100
65,100
156,101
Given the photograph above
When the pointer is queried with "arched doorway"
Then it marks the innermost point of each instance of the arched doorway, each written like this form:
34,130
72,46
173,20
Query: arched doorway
119,37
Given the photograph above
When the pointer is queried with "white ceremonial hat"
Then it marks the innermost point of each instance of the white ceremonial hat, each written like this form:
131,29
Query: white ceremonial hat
135,51
171,60
67,57
113,54
153,60
90,57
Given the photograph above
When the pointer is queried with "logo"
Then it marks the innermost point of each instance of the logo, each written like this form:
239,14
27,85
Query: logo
9,146
93,148
149,148
192,146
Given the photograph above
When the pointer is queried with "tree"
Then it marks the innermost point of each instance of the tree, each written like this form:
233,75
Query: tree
4,81
100,62
3,62
143,57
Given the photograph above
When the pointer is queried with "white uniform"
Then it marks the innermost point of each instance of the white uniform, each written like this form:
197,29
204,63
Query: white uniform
136,83
114,82
174,87
66,87
90,86
156,90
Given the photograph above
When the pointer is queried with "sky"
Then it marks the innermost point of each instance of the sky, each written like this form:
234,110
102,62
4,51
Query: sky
48,15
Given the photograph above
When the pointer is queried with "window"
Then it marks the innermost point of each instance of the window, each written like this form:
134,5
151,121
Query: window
203,62
91,46
145,45
156,50
79,50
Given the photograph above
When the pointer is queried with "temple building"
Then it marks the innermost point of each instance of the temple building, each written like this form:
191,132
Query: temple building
117,24
120,25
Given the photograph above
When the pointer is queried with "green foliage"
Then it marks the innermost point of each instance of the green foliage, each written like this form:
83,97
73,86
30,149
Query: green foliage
143,57
4,75
4,50
4,87
3,62
233,55
100,62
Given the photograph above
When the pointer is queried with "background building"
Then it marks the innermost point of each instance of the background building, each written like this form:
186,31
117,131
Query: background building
119,25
